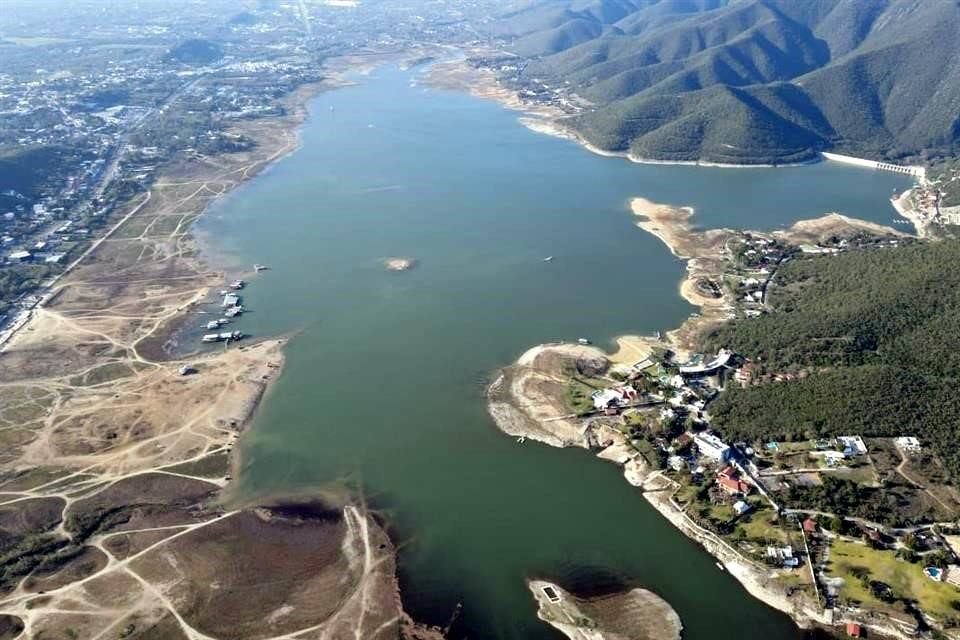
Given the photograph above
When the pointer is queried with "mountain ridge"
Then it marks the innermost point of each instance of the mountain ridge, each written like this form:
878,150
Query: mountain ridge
750,81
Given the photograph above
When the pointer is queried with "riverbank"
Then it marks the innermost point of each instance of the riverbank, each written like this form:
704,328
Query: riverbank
531,396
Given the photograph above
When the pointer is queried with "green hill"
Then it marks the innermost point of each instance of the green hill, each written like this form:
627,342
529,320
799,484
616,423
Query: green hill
875,332
29,170
879,78
196,51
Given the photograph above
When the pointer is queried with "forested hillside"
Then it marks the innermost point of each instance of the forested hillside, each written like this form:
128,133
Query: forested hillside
27,171
877,332
751,81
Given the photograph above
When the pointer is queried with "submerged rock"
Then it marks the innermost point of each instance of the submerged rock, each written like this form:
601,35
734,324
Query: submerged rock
399,264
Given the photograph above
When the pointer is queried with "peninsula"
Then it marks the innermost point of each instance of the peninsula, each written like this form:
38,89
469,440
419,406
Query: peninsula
662,411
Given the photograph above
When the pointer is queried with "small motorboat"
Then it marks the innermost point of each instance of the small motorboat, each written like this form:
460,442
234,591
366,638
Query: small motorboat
548,259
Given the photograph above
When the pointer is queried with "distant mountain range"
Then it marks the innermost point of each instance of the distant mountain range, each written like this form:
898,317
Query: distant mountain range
751,81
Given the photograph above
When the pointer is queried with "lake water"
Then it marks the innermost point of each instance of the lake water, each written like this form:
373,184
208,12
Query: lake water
385,378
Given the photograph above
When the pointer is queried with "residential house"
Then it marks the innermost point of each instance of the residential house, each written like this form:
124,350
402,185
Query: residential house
19,256
852,446
746,374
908,444
614,397
730,481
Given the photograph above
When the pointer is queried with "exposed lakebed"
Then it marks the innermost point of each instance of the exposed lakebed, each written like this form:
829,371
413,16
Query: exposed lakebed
385,376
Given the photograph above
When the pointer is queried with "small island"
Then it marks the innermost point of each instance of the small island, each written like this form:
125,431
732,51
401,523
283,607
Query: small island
636,614
399,264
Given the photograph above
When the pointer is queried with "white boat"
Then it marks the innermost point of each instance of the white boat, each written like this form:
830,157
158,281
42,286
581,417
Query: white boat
548,259
236,285
260,267
583,341
213,324
719,566
233,311
210,337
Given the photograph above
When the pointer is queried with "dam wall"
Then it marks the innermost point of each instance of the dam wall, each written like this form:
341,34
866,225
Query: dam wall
916,171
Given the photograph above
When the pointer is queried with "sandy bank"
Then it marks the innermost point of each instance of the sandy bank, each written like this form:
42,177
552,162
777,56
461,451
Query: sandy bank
633,349
908,209
637,614
833,224
705,255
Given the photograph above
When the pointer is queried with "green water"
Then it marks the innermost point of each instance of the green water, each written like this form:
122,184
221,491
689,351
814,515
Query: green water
384,381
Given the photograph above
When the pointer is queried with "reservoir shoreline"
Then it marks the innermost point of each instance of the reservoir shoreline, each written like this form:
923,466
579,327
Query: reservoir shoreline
523,407
319,421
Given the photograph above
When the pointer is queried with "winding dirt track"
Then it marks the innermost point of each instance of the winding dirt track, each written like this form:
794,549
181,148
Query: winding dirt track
92,414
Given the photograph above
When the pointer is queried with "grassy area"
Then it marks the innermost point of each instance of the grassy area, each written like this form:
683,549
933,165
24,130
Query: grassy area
578,397
863,474
758,527
686,493
906,580
796,447
579,391
215,465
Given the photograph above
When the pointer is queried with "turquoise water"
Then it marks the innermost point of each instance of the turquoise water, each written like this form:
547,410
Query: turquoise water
385,376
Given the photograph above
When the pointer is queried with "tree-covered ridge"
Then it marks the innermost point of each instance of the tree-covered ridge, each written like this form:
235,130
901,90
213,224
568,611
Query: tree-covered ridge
874,337
751,80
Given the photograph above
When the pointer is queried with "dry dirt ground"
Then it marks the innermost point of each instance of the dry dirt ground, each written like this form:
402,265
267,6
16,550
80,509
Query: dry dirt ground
112,522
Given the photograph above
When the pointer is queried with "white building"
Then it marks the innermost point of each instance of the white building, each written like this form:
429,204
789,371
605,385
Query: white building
620,397
712,447
723,357
908,444
853,445
19,256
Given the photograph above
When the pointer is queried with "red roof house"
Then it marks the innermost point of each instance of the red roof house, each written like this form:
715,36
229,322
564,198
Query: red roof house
809,525
854,630
729,480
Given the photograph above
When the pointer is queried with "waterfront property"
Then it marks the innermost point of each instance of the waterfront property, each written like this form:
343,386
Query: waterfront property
712,447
